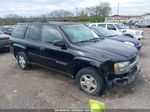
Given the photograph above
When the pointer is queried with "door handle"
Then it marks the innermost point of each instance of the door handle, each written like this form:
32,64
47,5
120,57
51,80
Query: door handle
42,48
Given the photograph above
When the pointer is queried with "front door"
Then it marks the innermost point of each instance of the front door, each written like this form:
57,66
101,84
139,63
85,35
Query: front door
53,56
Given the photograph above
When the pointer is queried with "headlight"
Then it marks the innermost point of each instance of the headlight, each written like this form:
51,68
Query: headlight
122,67
130,44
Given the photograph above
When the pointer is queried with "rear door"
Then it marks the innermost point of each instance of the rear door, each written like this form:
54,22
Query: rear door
31,42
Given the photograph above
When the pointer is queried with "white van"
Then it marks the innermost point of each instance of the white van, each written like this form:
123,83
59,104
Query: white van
119,29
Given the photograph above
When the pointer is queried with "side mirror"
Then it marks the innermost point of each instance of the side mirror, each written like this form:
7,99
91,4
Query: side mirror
59,43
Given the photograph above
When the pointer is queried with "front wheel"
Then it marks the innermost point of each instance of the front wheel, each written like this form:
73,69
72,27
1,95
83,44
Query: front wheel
89,80
137,26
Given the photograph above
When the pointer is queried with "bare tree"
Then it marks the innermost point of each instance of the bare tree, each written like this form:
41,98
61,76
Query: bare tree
60,13
103,9
11,16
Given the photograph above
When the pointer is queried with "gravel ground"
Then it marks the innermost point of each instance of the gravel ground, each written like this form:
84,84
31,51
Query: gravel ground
39,88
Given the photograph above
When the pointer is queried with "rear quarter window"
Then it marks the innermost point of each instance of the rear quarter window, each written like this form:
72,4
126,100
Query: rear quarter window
102,25
19,31
93,25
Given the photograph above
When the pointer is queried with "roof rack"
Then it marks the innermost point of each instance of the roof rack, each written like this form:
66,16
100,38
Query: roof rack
46,20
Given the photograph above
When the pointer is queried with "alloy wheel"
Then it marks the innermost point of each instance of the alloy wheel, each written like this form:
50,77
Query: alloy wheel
88,83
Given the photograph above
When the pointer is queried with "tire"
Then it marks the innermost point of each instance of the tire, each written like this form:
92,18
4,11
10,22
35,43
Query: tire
23,61
87,77
137,26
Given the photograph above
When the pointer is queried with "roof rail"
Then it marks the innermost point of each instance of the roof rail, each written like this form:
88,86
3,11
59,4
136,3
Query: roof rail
24,21
50,20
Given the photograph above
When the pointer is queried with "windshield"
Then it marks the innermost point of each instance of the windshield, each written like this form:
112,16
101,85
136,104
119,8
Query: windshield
123,25
119,26
105,32
79,33
1,33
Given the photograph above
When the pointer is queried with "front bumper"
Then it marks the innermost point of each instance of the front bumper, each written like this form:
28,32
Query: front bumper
122,81
138,37
127,78
4,46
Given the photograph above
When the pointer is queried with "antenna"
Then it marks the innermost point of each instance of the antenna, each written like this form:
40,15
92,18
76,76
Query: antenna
118,9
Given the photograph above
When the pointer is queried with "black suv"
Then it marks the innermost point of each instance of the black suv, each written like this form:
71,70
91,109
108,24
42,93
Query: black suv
75,50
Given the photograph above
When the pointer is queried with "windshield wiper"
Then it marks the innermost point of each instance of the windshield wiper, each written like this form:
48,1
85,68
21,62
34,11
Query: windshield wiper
91,40
95,39
82,41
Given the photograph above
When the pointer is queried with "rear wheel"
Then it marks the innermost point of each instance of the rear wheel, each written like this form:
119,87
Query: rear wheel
89,80
23,61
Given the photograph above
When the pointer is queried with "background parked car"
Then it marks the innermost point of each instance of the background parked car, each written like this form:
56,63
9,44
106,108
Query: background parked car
8,30
131,23
120,30
145,23
105,33
4,41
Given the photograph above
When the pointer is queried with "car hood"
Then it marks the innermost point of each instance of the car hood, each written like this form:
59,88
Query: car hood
131,30
117,32
125,39
4,36
109,50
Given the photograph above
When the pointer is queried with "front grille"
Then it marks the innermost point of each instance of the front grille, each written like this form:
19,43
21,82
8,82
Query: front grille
134,70
134,62
133,59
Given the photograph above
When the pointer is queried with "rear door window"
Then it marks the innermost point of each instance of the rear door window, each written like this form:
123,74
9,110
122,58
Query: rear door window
32,32
102,25
93,25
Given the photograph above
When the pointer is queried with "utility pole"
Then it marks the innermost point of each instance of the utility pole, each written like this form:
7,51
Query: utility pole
118,11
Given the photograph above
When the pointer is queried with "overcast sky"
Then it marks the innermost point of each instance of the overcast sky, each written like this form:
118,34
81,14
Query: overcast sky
37,7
